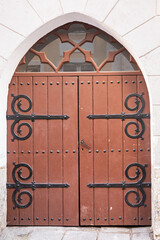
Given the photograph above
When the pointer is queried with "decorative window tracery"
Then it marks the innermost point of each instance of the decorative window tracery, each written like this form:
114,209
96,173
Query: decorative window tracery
77,47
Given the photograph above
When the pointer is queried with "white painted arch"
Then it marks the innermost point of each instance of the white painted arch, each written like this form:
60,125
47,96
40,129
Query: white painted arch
144,59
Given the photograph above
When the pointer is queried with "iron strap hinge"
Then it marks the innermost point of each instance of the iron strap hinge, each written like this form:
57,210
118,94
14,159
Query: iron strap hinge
139,116
122,116
17,185
16,116
122,185
139,185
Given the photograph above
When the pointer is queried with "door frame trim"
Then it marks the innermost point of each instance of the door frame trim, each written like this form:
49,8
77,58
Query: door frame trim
120,73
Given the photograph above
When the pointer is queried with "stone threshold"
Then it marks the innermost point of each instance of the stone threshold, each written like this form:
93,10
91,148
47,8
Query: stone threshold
76,233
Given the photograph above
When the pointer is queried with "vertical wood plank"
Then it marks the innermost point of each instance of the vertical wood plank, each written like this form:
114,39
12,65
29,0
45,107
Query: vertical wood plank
115,150
144,156
129,149
40,151
12,156
26,149
100,149
86,155
70,152
55,150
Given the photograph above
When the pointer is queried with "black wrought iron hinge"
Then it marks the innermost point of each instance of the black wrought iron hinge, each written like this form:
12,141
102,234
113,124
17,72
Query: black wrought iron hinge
140,184
17,117
17,185
137,116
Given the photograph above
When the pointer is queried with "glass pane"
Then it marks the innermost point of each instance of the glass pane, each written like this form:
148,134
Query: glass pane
33,64
53,48
77,32
77,67
102,47
77,56
121,63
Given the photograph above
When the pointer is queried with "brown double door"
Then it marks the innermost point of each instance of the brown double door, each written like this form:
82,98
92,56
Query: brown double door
74,157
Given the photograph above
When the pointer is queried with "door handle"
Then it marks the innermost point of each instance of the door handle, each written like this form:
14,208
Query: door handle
84,144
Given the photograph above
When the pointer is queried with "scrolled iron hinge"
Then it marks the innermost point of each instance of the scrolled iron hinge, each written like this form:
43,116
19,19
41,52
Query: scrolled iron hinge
137,116
17,117
140,184
17,185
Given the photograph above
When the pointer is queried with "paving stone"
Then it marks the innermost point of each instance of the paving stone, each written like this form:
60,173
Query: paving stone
140,236
72,233
115,229
15,233
141,230
48,234
80,235
114,236
85,229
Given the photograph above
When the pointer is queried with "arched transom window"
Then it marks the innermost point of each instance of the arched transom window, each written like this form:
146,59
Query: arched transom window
77,47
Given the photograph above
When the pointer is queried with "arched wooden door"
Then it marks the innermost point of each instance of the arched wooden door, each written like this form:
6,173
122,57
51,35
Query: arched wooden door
78,147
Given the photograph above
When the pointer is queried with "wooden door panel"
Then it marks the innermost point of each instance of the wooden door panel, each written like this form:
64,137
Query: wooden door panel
129,149
26,149
144,155
123,151
100,161
12,156
26,214
12,146
40,151
25,88
115,150
55,145
70,152
86,153
12,213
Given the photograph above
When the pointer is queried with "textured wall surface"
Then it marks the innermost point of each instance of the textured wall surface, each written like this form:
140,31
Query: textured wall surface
134,23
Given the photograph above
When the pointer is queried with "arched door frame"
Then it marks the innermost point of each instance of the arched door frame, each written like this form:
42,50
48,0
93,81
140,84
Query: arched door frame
17,55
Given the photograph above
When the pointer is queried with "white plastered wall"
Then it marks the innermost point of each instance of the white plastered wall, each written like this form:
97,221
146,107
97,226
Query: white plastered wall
134,23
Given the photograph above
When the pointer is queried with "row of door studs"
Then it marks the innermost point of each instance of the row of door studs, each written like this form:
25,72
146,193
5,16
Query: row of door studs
66,83
84,219
74,151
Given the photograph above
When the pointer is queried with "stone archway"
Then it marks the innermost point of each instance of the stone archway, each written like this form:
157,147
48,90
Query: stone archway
121,77
16,55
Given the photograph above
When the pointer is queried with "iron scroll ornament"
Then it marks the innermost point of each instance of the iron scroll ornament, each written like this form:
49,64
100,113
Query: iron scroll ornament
139,185
139,116
17,185
17,117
